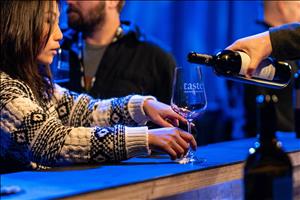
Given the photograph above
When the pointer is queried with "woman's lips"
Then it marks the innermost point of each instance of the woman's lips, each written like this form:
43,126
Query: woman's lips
54,51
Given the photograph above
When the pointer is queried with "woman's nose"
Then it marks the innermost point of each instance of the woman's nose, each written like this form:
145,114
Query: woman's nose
58,34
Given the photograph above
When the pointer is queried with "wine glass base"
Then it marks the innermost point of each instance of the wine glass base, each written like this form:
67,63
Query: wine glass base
9,190
193,160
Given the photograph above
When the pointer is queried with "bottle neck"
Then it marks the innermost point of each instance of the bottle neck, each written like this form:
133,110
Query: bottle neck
267,120
269,143
198,58
266,136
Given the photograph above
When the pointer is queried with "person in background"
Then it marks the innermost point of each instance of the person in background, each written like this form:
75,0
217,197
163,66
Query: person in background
44,125
109,58
275,13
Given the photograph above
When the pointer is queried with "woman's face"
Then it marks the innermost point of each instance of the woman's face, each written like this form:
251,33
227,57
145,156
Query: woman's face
46,55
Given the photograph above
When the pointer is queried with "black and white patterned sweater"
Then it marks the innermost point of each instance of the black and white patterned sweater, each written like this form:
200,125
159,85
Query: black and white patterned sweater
71,129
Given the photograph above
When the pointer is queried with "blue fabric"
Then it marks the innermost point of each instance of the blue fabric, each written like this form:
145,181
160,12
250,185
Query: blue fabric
204,26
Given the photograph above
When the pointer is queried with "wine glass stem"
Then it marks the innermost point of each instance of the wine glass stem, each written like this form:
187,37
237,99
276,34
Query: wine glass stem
189,122
191,153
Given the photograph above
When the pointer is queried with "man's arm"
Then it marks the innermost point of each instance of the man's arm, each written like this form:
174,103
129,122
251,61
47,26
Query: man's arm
283,42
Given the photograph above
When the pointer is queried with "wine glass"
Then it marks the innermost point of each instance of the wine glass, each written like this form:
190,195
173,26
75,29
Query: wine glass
189,100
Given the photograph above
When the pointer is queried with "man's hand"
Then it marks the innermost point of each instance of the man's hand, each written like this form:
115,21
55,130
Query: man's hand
258,47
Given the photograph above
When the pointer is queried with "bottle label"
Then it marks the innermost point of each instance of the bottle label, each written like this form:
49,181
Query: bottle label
245,62
265,70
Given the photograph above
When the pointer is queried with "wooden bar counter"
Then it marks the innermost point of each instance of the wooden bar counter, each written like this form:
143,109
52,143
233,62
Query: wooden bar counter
156,177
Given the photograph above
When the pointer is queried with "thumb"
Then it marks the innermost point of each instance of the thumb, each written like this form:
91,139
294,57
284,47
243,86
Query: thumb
252,67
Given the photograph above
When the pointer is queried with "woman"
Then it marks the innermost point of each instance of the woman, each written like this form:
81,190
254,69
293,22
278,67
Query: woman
43,124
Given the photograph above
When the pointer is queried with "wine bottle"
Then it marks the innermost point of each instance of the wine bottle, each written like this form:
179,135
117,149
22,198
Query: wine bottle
268,170
233,64
297,103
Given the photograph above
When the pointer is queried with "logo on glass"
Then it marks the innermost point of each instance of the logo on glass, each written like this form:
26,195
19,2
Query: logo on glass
193,88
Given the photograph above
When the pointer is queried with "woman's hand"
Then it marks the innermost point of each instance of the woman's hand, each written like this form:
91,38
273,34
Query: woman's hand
162,114
172,141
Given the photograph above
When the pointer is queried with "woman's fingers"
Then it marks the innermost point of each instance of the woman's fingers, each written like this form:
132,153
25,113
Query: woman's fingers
188,138
182,142
178,149
169,150
172,141
174,150
163,122
175,116
174,122
171,119
162,114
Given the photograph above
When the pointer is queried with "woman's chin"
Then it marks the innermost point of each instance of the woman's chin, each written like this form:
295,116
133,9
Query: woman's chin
45,61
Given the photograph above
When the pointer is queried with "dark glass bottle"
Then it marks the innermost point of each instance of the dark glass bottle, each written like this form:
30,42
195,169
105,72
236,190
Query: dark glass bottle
268,170
233,64
297,103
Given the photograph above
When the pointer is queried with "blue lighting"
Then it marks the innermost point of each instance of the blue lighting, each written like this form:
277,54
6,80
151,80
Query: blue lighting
260,99
297,74
251,150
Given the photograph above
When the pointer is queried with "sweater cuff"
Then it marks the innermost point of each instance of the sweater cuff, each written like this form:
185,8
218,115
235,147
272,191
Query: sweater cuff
137,141
135,108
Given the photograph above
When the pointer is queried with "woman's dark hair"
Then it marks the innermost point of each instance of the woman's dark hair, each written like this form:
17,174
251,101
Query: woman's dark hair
22,38
120,5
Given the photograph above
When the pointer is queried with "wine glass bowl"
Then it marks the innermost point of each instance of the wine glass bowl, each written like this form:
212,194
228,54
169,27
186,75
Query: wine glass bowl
188,98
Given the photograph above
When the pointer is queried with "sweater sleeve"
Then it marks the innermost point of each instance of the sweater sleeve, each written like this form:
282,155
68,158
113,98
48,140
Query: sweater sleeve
82,110
33,136
285,41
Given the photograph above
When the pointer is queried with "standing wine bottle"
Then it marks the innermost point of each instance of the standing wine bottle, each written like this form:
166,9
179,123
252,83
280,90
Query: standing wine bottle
233,65
297,103
268,170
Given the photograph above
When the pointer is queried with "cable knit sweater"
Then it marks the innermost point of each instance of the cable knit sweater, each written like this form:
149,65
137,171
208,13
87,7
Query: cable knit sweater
71,129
